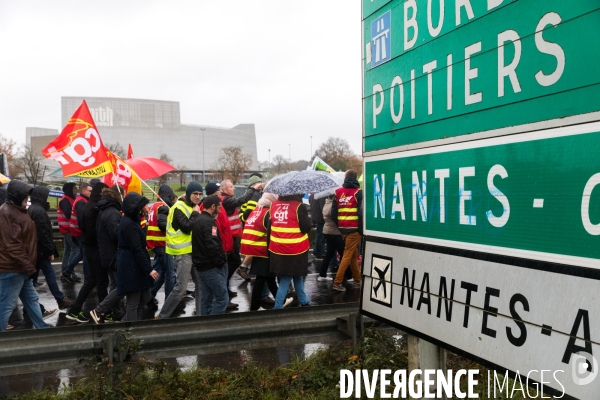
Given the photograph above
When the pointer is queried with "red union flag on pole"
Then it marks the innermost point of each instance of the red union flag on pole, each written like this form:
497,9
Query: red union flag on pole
79,148
129,152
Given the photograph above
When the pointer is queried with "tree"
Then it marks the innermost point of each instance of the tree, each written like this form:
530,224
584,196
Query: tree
164,157
117,149
28,163
233,162
337,153
10,148
280,164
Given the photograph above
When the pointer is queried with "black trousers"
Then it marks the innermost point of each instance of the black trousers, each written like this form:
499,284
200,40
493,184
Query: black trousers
257,290
97,278
234,261
334,243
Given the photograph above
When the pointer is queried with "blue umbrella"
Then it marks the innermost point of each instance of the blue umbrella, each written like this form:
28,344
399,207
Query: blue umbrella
301,182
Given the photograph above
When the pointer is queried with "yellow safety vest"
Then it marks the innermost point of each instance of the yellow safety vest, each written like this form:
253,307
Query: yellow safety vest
178,243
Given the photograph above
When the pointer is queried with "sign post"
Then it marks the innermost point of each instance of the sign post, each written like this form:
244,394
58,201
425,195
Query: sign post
482,222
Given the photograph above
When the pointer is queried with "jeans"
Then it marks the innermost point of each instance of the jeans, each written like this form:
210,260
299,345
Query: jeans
349,259
77,255
215,296
13,286
97,278
135,304
184,271
335,243
46,267
68,249
319,240
163,264
112,301
284,283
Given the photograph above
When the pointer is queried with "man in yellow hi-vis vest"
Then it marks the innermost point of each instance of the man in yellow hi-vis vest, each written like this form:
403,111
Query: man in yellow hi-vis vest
179,244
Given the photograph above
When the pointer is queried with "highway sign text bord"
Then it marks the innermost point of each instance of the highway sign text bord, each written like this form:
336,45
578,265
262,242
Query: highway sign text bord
481,180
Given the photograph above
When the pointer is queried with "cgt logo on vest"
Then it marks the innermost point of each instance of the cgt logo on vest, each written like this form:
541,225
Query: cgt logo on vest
250,221
281,213
344,200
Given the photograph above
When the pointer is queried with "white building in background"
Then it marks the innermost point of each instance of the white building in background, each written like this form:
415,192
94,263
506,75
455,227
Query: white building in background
153,127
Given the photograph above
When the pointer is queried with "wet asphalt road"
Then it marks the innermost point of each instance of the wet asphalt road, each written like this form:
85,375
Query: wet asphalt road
319,293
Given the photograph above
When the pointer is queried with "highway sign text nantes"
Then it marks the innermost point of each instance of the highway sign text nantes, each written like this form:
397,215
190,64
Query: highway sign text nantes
482,199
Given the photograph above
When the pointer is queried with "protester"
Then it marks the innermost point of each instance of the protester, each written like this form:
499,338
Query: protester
18,253
180,222
255,245
245,210
65,206
97,276
2,195
77,253
38,211
107,225
334,240
231,205
288,246
316,214
209,258
156,241
134,269
346,211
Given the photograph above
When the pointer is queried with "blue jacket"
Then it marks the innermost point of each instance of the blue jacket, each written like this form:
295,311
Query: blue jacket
133,261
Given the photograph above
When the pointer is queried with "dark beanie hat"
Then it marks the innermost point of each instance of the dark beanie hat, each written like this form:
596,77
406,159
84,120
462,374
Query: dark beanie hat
191,188
212,187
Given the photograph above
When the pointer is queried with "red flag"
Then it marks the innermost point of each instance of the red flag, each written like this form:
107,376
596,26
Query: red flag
129,152
79,148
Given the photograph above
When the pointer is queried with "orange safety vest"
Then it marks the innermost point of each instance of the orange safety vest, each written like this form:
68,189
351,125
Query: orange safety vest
64,224
155,237
254,238
235,223
347,207
74,223
286,237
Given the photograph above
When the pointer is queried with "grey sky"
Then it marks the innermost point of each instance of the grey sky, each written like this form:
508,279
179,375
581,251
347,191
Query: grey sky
292,68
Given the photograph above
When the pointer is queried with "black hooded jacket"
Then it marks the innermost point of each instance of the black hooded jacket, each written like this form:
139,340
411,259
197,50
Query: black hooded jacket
180,221
350,183
89,216
107,225
133,261
167,195
38,213
64,204
2,195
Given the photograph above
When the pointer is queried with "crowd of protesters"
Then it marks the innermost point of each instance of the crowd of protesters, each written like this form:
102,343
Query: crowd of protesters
199,237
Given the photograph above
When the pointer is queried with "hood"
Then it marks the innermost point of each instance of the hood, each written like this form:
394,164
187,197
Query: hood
191,188
17,191
2,195
39,195
351,183
108,201
68,189
97,191
133,204
166,194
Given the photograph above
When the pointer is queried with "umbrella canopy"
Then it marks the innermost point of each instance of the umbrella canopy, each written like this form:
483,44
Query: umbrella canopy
301,182
149,167
4,179
336,176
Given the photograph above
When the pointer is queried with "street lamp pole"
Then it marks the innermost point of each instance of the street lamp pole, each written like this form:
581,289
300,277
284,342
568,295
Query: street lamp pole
310,149
203,169
290,151
269,162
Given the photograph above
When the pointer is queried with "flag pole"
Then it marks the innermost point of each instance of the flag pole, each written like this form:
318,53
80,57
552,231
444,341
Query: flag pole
148,186
116,182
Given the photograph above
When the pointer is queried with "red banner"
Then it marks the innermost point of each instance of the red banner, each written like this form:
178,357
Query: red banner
123,175
129,152
79,148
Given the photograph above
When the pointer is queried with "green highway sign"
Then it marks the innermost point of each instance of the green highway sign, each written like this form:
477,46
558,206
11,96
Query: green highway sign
533,195
436,69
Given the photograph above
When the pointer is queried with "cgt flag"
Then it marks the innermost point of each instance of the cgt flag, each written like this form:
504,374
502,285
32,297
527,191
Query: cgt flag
79,148
123,175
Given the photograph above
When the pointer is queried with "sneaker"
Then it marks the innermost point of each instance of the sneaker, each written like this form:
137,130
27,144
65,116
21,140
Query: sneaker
9,327
189,294
288,301
324,278
357,284
66,277
75,278
39,285
232,306
78,317
243,272
259,309
49,313
97,318
267,301
305,305
339,288
64,303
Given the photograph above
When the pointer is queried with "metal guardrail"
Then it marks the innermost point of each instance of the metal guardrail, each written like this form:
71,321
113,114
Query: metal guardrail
56,348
